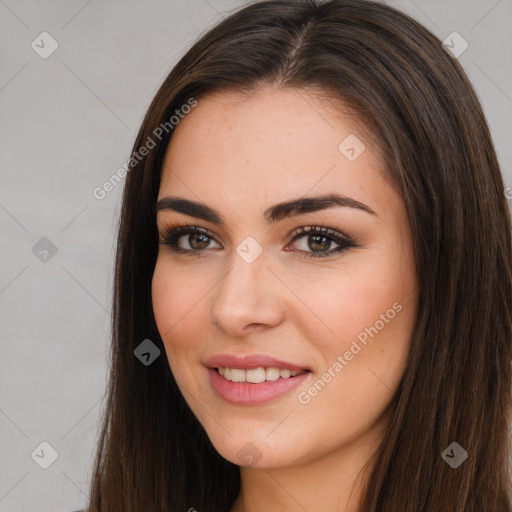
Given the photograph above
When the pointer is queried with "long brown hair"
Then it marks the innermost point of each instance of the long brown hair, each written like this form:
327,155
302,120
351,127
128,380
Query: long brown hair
415,98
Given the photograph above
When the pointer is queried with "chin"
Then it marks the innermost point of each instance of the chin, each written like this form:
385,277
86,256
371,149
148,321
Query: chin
256,451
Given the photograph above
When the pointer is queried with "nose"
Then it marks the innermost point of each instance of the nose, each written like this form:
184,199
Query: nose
248,296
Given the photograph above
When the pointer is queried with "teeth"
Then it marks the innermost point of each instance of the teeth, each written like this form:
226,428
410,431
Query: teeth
272,373
256,375
236,375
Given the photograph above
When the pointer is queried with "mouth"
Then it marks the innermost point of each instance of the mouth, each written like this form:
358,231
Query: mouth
253,379
251,386
257,375
253,362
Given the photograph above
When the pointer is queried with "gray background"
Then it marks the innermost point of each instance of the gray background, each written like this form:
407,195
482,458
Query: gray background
67,124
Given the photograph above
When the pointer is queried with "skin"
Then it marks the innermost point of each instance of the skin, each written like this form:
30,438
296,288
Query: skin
240,156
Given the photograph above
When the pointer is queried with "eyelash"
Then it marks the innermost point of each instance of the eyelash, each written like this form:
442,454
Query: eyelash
173,233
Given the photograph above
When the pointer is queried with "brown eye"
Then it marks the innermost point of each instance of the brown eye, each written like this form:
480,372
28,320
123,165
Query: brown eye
318,243
319,239
197,238
196,241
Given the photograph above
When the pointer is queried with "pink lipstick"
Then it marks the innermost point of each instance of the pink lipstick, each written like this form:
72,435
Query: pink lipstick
253,379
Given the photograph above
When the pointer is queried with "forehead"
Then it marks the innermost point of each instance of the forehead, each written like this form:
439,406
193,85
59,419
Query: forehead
270,146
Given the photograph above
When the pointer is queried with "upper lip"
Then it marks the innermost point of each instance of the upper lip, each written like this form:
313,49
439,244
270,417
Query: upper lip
251,361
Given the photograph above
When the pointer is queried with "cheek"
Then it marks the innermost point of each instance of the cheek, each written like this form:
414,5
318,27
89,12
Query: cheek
370,314
359,299
176,305
363,362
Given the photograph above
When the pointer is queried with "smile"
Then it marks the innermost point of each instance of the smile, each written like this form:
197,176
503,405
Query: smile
255,375
260,391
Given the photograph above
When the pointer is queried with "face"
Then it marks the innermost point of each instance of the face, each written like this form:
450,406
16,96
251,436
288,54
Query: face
329,290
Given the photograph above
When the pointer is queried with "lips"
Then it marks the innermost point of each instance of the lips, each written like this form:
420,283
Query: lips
245,393
249,393
250,362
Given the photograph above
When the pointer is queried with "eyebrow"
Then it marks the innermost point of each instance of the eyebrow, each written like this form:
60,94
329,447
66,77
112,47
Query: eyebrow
271,215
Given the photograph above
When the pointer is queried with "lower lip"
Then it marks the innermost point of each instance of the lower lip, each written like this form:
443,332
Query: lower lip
246,393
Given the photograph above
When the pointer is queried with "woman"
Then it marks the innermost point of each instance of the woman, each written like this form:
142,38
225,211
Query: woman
313,287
